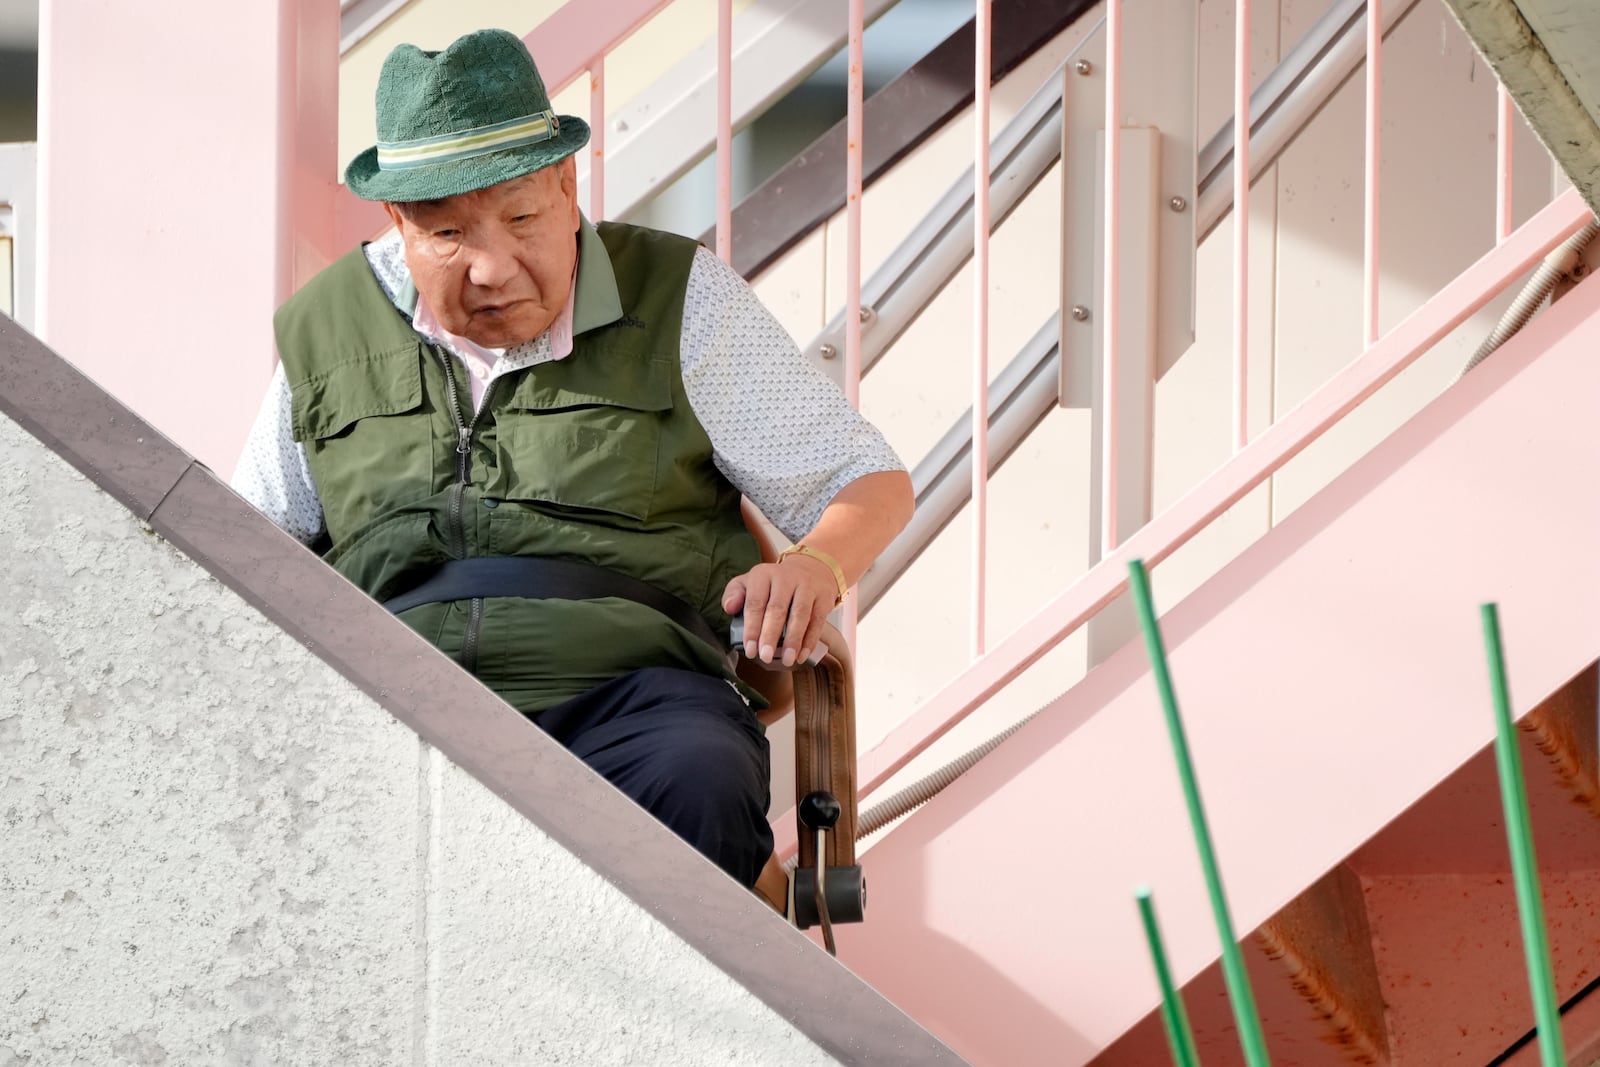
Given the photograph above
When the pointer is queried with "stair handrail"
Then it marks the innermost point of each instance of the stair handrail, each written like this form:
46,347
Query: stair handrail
1266,454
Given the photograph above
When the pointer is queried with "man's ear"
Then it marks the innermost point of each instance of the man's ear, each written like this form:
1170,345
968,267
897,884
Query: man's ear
569,186
393,213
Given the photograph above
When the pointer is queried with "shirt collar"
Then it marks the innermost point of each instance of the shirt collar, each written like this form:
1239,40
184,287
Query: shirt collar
597,303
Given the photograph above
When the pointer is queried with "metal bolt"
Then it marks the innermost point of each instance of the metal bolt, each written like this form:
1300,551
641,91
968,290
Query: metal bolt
866,314
1177,203
1080,313
1084,67
827,351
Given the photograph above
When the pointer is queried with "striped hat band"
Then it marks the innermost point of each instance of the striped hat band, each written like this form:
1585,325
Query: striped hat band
451,147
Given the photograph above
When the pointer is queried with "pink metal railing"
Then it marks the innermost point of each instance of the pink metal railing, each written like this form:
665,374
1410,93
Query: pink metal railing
854,133
1241,225
1369,264
1229,484
1111,272
1383,357
597,138
1505,114
725,130
982,62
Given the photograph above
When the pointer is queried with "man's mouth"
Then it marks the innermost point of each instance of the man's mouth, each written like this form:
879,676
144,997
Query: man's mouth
495,311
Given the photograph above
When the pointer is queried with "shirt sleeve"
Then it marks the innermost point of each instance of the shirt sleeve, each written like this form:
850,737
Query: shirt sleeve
273,474
780,430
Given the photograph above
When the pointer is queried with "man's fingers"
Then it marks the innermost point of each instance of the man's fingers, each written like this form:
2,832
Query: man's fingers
819,612
783,609
757,589
776,615
798,629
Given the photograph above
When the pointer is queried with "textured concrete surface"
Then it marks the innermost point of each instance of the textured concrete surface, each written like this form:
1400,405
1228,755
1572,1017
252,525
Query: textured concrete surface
217,850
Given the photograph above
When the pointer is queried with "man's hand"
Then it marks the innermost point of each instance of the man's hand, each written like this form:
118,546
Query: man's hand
787,600
860,520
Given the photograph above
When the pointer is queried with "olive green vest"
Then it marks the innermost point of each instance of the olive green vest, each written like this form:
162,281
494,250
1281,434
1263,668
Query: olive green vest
597,457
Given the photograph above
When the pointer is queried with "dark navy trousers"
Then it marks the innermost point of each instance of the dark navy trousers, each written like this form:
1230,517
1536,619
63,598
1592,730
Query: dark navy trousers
687,749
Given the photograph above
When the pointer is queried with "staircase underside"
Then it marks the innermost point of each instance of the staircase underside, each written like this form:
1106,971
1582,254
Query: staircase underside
1408,952
1331,678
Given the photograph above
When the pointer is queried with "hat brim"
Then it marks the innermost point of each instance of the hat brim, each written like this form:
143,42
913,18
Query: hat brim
439,180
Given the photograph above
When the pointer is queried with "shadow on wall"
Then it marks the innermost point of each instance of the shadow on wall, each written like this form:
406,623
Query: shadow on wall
19,95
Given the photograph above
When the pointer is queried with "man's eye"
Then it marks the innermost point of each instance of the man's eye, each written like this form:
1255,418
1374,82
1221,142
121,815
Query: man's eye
446,235
521,218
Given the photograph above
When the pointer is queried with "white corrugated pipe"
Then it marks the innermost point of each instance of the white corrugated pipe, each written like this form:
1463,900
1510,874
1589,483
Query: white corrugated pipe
1557,265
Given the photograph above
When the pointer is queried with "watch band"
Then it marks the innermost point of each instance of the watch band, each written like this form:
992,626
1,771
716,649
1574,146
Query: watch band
826,560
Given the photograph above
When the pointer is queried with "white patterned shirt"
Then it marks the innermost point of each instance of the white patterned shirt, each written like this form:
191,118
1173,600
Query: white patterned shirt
780,431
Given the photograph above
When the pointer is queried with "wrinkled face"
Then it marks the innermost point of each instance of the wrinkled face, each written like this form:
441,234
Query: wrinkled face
496,265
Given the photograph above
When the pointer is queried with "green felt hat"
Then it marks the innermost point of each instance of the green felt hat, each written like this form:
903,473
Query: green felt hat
475,115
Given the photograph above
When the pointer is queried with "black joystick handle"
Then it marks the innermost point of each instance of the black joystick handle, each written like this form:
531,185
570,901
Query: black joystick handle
820,810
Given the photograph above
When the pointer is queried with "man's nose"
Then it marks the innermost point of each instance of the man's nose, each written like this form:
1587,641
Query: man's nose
494,262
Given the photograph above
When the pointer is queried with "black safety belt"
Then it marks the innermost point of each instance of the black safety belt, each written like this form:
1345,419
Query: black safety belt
548,579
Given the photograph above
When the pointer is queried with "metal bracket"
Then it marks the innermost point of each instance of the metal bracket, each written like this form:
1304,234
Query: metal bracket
1159,65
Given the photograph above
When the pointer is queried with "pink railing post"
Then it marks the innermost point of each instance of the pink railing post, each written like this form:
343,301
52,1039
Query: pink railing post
597,138
1110,268
725,130
1241,225
980,325
1502,184
1369,268
855,89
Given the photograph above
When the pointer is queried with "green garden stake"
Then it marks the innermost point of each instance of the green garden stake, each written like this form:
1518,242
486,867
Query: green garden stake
1176,1019
1245,1015
1519,836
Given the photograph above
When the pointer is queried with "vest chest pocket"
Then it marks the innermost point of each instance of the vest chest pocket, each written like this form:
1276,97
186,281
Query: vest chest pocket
577,449
383,383
364,430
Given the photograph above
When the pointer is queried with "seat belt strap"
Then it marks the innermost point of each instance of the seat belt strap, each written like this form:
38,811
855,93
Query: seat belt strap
537,578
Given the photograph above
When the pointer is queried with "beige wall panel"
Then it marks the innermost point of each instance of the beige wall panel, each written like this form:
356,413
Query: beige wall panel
924,383
894,204
919,636
792,287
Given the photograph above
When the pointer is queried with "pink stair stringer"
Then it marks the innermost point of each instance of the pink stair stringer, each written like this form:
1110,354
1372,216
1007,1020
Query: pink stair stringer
1329,678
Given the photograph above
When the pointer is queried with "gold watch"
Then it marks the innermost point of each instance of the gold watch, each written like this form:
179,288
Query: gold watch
826,560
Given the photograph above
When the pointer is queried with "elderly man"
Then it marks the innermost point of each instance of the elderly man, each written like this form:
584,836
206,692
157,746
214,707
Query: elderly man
529,437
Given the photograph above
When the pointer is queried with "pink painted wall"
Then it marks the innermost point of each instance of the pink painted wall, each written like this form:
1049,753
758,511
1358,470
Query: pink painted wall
186,180
1330,676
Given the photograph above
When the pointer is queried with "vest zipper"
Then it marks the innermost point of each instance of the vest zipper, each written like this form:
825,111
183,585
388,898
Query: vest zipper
458,526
